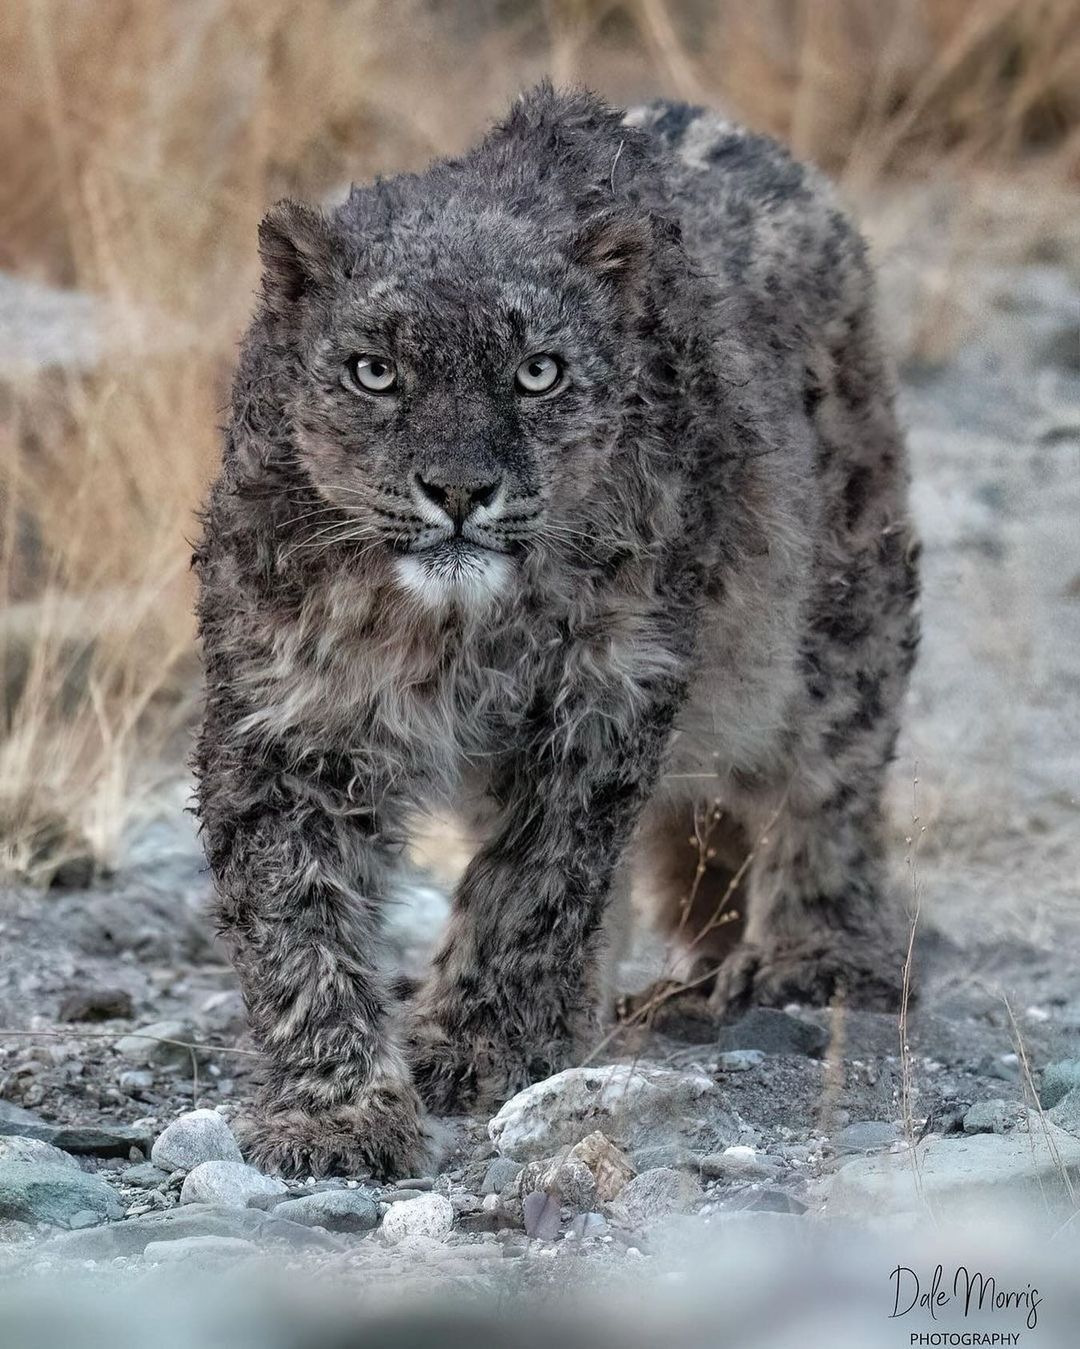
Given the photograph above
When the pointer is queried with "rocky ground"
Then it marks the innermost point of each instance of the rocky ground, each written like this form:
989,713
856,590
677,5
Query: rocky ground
117,1161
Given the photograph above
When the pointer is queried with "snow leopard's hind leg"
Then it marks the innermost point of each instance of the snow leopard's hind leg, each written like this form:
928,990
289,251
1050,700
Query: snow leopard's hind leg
689,881
820,922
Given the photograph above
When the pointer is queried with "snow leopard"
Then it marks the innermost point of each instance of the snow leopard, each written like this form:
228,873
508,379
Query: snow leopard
562,486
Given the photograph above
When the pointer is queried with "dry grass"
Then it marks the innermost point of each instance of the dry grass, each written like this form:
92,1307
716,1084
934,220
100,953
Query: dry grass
142,139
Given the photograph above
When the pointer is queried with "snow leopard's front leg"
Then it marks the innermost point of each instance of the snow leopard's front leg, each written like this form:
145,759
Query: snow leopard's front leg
515,986
300,871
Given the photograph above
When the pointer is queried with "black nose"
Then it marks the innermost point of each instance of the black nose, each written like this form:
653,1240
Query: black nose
457,499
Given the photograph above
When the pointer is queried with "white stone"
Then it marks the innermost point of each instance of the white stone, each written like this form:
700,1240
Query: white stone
228,1183
199,1136
635,1107
428,1215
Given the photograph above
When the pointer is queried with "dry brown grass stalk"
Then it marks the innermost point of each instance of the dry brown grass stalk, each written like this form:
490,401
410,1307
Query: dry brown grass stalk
907,1062
1035,1105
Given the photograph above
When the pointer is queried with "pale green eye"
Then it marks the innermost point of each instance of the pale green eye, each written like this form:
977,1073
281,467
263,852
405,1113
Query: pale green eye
373,374
538,374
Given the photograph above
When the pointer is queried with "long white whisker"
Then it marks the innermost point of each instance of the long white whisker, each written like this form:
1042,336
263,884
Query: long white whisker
338,531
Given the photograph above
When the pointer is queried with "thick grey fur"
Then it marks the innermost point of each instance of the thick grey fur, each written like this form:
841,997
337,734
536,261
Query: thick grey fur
700,585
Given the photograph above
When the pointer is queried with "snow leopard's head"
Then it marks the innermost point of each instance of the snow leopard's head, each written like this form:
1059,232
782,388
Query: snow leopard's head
453,371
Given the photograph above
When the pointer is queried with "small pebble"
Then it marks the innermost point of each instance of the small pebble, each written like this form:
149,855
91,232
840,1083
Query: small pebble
866,1136
588,1225
417,1183
151,1045
145,1176
502,1172
136,1082
96,1004
740,1060
738,1162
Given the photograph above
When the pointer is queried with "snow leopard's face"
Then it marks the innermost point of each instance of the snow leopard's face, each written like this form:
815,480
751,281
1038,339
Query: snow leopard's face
455,389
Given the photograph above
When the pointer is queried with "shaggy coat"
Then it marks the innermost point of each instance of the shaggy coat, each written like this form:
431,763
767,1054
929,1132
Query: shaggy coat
681,574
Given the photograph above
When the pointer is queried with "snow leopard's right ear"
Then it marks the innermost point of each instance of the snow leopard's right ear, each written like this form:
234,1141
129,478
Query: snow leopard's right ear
300,253
616,248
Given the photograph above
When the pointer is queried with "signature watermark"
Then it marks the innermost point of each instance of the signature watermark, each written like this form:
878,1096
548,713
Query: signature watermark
961,1294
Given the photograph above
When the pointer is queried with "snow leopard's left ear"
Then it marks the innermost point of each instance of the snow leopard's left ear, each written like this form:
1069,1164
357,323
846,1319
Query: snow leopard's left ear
301,253
617,248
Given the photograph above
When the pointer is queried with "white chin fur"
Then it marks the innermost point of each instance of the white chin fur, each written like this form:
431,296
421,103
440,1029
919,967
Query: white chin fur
469,581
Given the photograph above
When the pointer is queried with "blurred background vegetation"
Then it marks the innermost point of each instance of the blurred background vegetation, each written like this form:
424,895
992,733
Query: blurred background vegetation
140,141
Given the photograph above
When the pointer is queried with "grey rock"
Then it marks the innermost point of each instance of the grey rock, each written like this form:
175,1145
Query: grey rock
96,1004
666,1154
986,1117
428,1215
107,1140
136,1082
502,1171
401,1196
771,1199
192,1220
50,1193
14,1148
866,1136
198,1136
336,1210
1002,1067
960,1176
1066,1114
11,1231
418,1183
949,1119
740,1060
229,1183
635,1107
1058,1079
85,1217
654,1194
269,1202
541,1214
153,1045
737,1163
205,1252
773,1032
144,1176
585,1225
11,1114
564,1178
